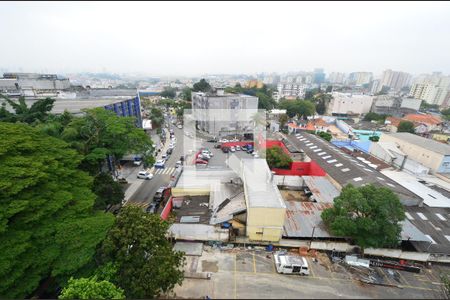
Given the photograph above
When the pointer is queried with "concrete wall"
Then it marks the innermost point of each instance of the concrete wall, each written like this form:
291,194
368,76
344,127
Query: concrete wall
424,156
180,192
409,165
356,104
265,224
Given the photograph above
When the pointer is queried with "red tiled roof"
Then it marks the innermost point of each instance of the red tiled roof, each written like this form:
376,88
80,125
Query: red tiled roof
394,121
319,122
425,119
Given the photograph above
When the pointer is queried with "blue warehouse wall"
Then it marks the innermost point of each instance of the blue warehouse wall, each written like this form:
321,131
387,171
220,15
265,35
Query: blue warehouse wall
128,108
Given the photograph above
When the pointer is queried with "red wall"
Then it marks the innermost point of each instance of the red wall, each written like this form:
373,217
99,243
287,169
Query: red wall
166,211
300,168
270,144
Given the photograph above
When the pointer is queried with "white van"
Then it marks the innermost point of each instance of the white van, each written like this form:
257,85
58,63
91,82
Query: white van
290,264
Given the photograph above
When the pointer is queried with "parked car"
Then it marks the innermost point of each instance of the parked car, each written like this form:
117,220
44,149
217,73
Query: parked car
137,162
244,148
178,164
180,126
145,175
164,156
238,148
225,149
199,161
217,146
182,158
159,195
169,151
207,153
249,151
160,164
212,141
232,149
204,157
152,208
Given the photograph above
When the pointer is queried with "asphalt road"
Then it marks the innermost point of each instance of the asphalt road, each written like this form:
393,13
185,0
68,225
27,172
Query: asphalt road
144,195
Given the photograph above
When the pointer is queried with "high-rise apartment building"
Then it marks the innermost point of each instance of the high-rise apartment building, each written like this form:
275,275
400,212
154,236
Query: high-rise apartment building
291,90
319,76
360,78
336,77
394,79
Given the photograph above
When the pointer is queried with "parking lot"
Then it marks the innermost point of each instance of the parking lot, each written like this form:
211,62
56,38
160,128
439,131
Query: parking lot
243,273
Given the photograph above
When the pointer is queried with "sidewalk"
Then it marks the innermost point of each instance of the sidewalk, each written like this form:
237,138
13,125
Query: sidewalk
131,177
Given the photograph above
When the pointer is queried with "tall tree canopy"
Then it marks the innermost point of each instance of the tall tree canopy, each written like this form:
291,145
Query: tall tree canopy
169,92
369,215
48,227
148,266
186,94
108,191
101,133
202,86
300,108
38,112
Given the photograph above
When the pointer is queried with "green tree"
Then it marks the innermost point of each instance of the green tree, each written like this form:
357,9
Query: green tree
108,191
329,89
300,108
406,126
277,158
169,92
265,101
426,106
157,116
101,133
371,116
283,120
202,86
48,227
55,124
325,135
91,288
368,214
148,265
38,112
446,113
186,94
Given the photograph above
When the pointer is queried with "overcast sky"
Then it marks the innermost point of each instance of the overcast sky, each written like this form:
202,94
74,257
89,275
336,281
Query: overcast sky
193,38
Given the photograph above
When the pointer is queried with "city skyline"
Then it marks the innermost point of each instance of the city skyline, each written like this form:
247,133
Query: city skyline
268,37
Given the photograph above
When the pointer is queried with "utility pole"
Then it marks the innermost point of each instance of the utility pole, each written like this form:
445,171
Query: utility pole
312,235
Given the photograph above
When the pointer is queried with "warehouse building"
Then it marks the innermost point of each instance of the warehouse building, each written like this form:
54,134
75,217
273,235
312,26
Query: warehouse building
430,153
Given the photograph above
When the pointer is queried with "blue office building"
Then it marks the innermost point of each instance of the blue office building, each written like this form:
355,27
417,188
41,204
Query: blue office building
319,76
128,108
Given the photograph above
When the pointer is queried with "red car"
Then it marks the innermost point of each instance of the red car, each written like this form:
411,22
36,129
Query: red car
200,162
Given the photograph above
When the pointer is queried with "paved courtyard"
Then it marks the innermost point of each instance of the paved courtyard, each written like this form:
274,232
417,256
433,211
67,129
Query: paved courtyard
243,274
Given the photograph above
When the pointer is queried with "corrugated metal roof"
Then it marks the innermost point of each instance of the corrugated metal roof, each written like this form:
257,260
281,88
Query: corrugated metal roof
422,142
322,189
302,217
260,189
